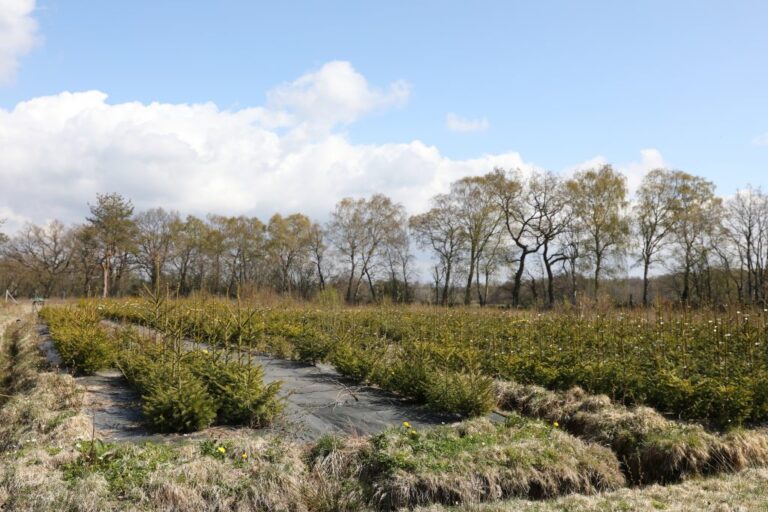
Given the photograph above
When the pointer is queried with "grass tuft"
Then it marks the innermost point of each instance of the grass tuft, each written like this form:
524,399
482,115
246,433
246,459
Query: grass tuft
651,447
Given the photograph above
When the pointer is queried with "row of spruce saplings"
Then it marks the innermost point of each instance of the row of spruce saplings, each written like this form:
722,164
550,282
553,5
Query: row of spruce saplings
703,378
181,390
650,447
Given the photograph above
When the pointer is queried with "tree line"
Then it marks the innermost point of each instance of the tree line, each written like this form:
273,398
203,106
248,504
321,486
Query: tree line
507,237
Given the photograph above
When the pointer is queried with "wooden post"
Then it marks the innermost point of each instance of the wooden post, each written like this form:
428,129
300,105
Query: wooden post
9,297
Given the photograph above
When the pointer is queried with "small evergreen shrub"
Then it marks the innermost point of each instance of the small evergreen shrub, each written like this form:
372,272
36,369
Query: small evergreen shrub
182,405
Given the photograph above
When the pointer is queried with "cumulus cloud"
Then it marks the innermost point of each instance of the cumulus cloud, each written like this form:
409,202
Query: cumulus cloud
761,140
463,125
650,159
18,35
60,151
334,94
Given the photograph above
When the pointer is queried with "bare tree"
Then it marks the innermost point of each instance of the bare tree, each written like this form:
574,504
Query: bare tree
696,216
478,217
747,224
439,229
156,230
554,218
45,252
359,230
654,214
289,247
598,198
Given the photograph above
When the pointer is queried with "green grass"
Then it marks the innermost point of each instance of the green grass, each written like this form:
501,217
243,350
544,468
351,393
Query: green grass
479,461
124,467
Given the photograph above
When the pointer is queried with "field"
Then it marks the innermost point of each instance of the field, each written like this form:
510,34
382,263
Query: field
697,365
572,410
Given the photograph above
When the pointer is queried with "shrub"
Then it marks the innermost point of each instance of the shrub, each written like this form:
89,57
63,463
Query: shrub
180,404
82,344
239,391
311,346
466,394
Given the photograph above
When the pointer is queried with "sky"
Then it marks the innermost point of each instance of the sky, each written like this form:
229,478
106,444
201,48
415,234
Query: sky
242,107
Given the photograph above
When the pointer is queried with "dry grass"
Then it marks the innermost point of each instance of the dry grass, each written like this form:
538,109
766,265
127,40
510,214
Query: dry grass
39,422
333,482
652,448
9,313
48,463
39,406
743,492
480,461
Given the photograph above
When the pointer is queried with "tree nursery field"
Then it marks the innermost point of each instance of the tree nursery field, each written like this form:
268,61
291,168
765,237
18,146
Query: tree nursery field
548,411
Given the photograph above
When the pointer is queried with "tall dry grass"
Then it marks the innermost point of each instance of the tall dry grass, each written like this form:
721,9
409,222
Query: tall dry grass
651,447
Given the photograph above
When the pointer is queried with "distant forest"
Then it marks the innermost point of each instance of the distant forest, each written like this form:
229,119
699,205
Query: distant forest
508,237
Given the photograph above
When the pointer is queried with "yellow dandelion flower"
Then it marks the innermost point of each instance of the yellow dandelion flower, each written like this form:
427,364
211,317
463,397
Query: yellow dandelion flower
406,424
245,456
222,449
556,424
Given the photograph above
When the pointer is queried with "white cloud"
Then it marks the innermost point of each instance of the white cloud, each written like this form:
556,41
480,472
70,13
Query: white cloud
650,159
18,35
60,151
761,140
595,162
463,125
634,171
334,94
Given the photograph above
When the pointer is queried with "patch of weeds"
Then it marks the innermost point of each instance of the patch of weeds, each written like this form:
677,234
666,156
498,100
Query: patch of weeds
406,467
325,446
217,450
124,467
436,449
57,420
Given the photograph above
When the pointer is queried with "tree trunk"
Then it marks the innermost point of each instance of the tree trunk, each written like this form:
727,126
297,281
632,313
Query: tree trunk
686,280
550,283
468,289
573,282
477,286
105,268
598,264
321,279
518,279
370,285
646,264
446,288
350,281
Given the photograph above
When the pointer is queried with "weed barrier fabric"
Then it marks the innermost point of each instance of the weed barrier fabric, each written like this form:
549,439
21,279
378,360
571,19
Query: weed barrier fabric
319,400
111,404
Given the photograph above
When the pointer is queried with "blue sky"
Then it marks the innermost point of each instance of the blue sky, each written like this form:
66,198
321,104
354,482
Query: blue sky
560,83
